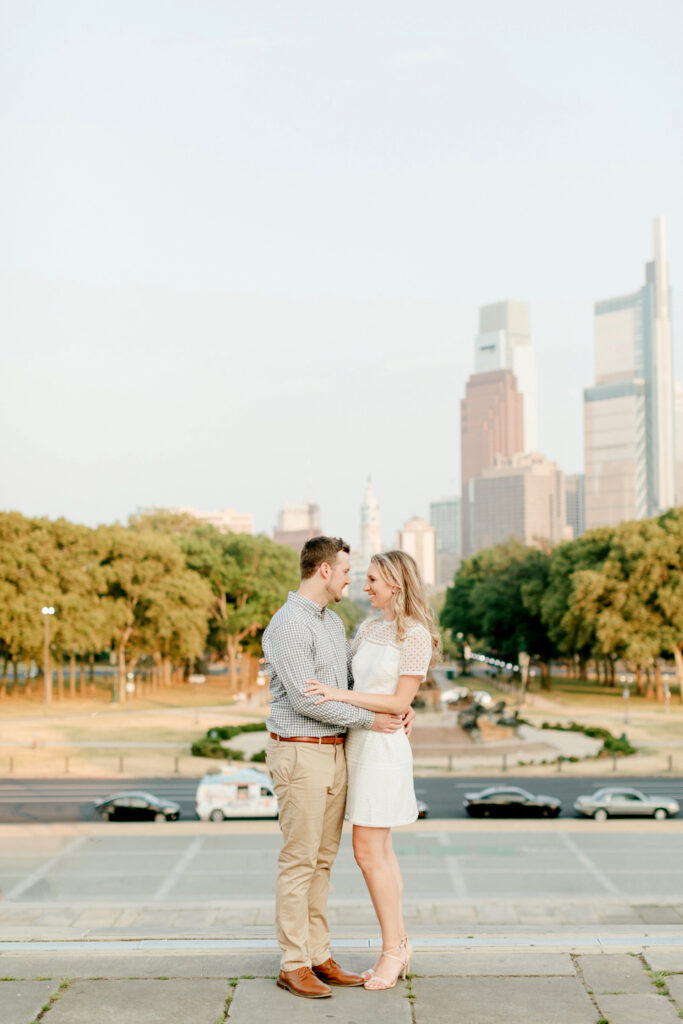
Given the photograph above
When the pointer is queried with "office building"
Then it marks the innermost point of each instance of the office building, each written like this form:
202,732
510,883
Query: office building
678,422
629,433
520,497
370,542
491,424
445,517
418,538
296,524
576,518
504,343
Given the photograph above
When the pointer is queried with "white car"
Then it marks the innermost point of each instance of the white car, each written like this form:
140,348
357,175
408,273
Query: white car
235,793
455,694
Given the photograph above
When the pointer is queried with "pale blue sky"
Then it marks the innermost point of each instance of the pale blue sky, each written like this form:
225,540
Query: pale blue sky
244,244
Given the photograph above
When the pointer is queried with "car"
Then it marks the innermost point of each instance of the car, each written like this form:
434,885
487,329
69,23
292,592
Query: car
137,805
624,802
510,802
235,793
422,809
482,697
454,694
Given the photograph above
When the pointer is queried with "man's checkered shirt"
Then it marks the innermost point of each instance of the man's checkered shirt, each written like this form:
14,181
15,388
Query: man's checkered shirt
304,641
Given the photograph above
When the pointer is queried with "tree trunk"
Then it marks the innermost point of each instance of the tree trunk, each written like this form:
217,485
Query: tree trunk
583,666
83,684
72,674
678,658
3,682
639,680
545,675
157,669
658,680
233,649
122,673
649,693
15,677
91,673
60,677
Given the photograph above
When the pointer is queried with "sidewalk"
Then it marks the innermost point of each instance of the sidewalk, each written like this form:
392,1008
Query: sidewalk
489,985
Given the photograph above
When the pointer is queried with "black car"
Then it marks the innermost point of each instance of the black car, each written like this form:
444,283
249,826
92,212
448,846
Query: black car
510,802
137,806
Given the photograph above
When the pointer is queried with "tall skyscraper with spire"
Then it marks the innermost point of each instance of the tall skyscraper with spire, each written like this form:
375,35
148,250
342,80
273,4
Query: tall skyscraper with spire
629,434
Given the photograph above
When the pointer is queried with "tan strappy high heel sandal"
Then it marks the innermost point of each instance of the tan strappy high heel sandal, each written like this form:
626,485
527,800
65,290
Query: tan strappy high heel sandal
382,984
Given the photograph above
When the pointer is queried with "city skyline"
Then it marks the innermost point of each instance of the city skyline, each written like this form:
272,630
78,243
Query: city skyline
272,236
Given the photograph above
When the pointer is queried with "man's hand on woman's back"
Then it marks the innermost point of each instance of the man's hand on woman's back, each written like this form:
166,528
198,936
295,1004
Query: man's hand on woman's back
386,723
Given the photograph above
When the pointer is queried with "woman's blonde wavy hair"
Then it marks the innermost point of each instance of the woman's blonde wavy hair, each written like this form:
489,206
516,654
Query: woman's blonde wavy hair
409,600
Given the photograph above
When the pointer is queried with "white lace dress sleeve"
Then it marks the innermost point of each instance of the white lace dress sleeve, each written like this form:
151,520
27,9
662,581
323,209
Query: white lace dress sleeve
416,652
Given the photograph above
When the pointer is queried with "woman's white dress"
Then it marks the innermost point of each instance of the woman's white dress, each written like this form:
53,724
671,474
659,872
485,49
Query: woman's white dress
380,765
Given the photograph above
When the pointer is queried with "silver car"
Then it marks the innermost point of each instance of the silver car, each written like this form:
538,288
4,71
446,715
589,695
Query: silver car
620,802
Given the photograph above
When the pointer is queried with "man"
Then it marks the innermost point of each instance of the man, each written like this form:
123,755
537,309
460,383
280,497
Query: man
305,758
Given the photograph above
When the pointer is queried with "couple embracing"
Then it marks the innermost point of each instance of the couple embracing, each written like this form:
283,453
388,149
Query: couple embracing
338,749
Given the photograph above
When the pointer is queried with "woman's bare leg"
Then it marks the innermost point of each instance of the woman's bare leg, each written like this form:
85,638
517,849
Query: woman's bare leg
393,860
376,859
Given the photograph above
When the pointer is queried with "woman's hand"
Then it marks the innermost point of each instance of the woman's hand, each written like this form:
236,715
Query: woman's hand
326,692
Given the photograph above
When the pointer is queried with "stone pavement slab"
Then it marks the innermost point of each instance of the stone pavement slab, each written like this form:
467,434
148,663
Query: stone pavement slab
638,1009
22,1001
199,1001
145,964
513,1000
674,983
487,964
614,973
262,1001
664,959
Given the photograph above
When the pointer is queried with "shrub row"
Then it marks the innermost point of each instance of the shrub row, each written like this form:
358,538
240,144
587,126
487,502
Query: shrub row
612,746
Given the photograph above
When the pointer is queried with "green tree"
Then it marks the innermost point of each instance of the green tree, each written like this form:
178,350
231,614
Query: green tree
249,578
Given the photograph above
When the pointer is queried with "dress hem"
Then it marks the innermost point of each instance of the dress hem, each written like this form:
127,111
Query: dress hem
377,824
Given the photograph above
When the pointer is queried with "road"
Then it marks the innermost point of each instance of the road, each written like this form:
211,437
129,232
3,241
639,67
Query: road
64,800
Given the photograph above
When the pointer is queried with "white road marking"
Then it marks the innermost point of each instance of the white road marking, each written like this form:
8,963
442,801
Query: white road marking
40,872
176,872
452,865
588,864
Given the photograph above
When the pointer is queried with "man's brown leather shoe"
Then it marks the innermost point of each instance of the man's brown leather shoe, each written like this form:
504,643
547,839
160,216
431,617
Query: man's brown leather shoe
333,974
303,982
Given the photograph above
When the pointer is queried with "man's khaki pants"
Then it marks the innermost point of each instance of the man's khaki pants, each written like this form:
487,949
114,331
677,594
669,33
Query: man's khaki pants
310,784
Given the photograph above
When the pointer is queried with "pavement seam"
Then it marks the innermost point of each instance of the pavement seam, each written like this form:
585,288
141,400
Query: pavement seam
57,994
574,957
662,989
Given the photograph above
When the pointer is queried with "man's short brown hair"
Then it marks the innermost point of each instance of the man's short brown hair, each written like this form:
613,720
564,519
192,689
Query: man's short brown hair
318,550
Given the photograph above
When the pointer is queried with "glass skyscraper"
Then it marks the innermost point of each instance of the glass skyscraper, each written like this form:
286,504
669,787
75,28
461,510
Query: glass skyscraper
629,412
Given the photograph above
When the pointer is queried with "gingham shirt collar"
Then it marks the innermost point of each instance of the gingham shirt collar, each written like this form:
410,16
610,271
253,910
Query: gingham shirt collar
307,604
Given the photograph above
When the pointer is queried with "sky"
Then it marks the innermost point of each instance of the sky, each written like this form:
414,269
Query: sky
243,245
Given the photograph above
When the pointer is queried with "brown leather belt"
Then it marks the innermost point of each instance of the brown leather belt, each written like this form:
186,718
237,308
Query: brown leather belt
306,739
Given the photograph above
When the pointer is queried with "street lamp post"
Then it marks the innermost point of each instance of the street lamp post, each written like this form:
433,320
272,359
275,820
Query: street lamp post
48,610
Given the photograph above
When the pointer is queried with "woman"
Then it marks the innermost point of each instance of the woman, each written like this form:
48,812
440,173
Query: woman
391,655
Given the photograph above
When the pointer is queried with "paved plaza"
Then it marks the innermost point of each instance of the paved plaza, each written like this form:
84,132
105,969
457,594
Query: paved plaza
149,881
472,987
539,923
